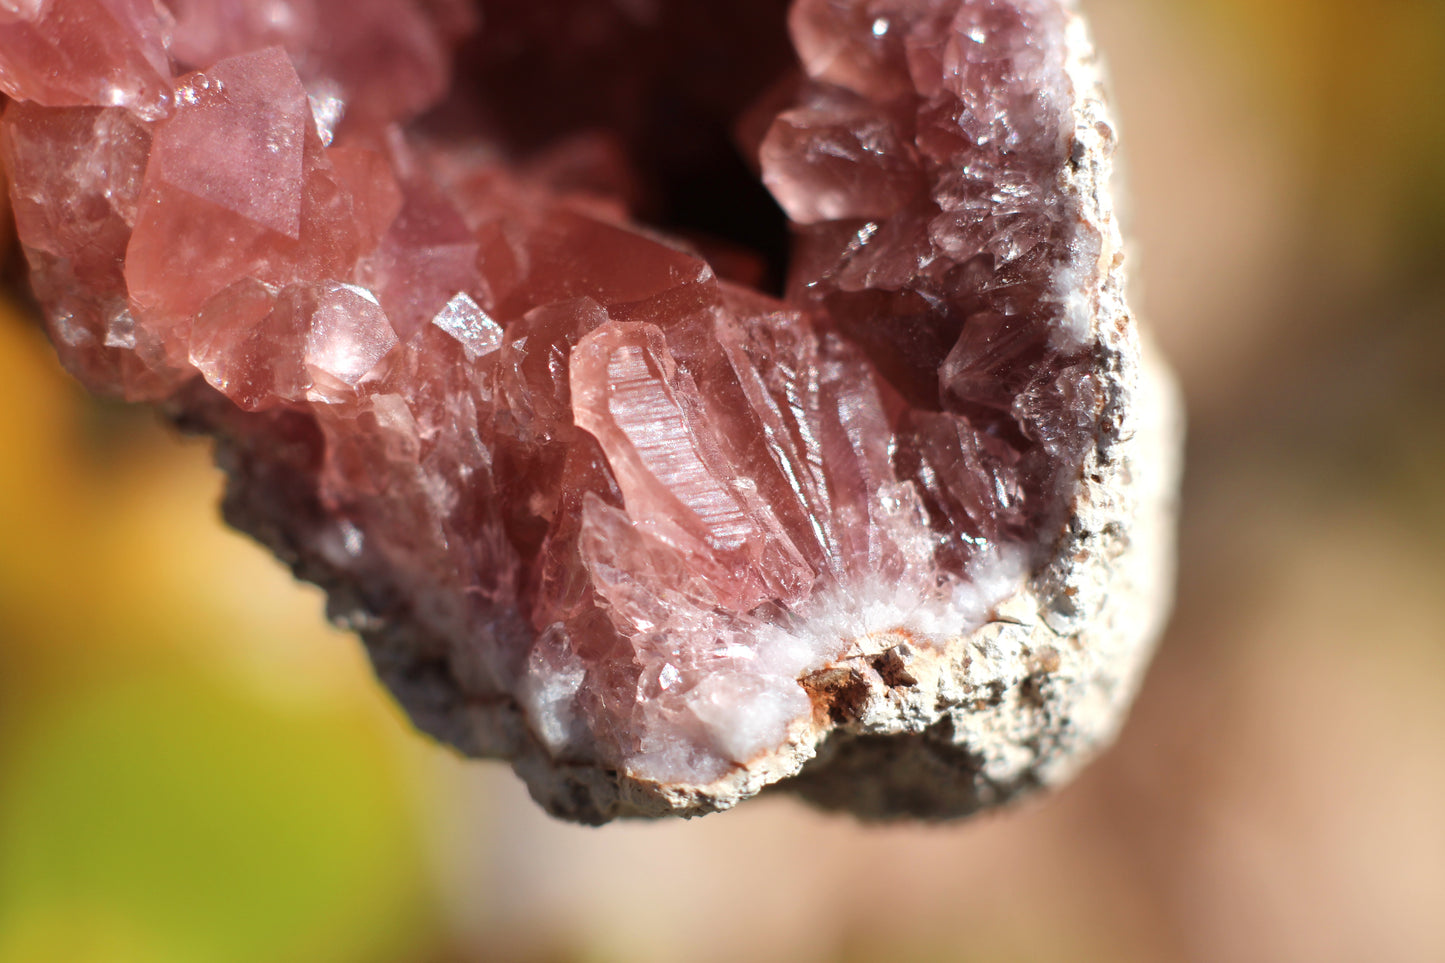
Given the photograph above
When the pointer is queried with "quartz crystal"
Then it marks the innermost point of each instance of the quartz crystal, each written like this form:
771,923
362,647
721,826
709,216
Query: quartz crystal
598,500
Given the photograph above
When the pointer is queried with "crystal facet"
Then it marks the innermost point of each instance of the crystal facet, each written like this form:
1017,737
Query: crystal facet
537,451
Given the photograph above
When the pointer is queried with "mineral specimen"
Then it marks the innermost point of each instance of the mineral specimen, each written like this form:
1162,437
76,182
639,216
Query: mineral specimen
597,502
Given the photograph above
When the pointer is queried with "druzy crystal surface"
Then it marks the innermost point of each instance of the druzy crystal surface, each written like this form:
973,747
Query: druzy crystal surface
593,470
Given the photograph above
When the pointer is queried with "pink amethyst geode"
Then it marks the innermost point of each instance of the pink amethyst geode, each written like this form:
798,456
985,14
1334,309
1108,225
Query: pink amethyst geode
893,533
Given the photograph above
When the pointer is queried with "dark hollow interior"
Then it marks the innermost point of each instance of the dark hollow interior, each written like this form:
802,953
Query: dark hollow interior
671,80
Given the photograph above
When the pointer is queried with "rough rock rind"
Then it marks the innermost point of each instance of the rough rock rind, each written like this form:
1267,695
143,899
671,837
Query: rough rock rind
902,725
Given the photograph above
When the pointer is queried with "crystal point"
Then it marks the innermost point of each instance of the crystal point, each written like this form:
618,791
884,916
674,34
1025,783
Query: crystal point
238,139
597,506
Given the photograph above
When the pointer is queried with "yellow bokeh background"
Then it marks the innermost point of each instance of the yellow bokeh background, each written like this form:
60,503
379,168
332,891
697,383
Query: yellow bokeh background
194,768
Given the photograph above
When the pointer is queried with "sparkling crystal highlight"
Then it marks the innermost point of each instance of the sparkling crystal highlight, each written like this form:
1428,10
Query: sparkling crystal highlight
590,473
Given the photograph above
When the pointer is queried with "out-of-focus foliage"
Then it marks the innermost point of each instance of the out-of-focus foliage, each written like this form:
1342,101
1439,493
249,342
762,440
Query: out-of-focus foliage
191,767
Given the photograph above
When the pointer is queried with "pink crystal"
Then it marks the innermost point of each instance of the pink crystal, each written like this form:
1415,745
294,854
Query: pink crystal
537,451
74,53
238,138
384,60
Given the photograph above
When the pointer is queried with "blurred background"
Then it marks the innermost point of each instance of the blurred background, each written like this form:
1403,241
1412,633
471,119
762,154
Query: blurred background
195,769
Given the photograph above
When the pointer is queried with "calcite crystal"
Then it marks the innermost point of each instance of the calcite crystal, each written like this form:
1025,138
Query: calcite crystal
598,502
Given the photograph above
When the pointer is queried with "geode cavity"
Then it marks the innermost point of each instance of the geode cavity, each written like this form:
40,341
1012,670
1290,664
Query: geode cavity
598,500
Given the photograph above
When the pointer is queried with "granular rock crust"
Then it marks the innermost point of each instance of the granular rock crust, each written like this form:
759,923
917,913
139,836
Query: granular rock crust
898,541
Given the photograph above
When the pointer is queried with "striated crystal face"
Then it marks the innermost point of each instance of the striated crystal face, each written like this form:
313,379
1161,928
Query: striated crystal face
592,468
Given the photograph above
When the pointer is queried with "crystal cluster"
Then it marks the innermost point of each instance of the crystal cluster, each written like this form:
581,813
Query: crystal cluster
596,474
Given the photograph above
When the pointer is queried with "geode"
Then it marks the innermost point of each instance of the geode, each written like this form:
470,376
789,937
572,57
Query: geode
664,515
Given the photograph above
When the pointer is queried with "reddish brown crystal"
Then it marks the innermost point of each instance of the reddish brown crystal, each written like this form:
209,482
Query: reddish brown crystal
539,446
